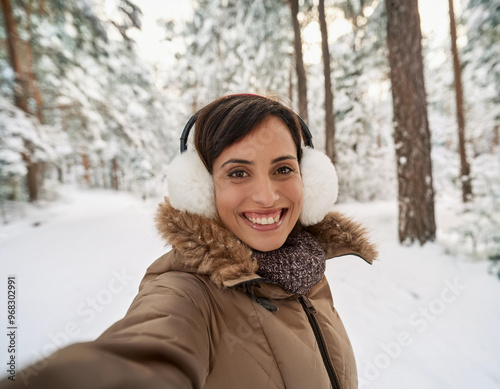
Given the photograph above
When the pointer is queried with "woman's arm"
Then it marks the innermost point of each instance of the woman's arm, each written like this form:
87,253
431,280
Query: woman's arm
162,341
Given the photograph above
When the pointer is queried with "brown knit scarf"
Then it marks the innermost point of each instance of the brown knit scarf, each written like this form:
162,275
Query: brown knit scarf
297,266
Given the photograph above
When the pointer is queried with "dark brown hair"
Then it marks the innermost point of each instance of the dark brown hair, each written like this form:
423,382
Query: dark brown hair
229,119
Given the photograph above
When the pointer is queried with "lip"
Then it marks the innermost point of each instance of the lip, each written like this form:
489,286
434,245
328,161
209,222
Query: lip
266,227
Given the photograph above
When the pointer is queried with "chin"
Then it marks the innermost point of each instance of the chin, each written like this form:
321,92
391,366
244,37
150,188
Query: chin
262,245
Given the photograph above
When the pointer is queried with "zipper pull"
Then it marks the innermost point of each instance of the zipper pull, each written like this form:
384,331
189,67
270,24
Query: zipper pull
308,304
266,303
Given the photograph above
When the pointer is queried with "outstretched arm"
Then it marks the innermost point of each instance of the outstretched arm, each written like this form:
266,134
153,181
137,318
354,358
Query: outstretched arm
162,341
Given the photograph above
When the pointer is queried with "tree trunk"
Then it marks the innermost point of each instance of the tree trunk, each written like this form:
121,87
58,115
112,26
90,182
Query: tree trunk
329,118
32,181
22,90
104,175
494,144
115,174
34,90
60,173
464,164
20,87
86,168
411,133
299,60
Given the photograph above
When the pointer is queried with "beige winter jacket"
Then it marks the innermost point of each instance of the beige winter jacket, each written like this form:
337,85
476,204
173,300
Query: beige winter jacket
204,319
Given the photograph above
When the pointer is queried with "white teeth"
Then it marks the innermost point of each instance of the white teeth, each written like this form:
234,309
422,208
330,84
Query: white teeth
265,221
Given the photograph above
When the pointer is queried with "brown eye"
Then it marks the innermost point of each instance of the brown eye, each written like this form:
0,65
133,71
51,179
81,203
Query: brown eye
237,174
284,170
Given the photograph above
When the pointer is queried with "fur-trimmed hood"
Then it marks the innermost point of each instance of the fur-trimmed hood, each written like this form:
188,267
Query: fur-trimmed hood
205,246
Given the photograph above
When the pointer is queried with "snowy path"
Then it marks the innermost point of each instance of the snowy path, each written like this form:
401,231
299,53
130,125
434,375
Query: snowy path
417,319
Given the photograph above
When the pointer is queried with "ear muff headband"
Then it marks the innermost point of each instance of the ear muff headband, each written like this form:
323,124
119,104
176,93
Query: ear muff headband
187,129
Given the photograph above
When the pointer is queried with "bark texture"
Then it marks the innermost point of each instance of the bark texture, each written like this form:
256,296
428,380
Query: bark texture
299,60
495,142
34,89
329,116
13,45
459,96
411,126
22,65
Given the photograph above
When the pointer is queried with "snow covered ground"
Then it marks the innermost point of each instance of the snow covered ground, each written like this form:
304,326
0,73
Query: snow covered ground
418,318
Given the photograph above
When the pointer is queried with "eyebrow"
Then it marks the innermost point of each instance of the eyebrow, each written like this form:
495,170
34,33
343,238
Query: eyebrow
283,158
246,162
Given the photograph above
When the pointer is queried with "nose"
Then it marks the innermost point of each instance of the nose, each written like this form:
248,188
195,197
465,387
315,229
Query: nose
265,192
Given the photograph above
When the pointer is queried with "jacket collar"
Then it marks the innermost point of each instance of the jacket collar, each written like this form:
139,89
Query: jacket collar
205,246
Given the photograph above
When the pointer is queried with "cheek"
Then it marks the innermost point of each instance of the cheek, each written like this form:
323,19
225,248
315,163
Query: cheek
226,199
295,192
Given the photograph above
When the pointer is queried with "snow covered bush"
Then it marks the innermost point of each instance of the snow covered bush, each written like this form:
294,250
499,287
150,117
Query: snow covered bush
23,141
479,229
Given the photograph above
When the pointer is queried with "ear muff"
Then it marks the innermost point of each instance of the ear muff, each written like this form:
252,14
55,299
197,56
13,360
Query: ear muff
191,187
321,188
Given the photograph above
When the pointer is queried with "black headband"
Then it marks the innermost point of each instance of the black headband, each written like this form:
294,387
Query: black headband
185,133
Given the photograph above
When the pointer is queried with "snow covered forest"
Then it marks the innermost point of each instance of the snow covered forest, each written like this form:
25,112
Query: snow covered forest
81,108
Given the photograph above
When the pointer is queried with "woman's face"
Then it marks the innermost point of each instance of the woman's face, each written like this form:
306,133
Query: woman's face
258,187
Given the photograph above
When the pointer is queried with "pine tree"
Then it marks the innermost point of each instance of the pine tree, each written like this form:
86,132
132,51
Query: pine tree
363,111
481,72
329,117
97,92
457,71
14,49
24,89
411,132
229,47
299,60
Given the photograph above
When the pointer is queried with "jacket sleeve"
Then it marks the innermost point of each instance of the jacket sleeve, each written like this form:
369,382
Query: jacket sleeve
162,342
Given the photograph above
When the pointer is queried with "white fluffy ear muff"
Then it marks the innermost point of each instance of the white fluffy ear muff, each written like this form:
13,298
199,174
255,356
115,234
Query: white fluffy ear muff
321,188
190,185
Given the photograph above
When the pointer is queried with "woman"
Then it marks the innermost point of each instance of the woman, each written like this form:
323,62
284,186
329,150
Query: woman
241,301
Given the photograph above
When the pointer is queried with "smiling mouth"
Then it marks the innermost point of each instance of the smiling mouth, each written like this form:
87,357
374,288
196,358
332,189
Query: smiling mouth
266,219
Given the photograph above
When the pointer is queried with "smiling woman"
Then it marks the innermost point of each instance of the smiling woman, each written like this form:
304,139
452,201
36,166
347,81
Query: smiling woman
241,300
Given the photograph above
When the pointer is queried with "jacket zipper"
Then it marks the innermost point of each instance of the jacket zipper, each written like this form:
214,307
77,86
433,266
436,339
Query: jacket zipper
311,312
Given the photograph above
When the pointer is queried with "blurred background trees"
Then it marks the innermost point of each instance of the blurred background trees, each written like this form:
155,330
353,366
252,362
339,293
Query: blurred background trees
90,96
79,105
